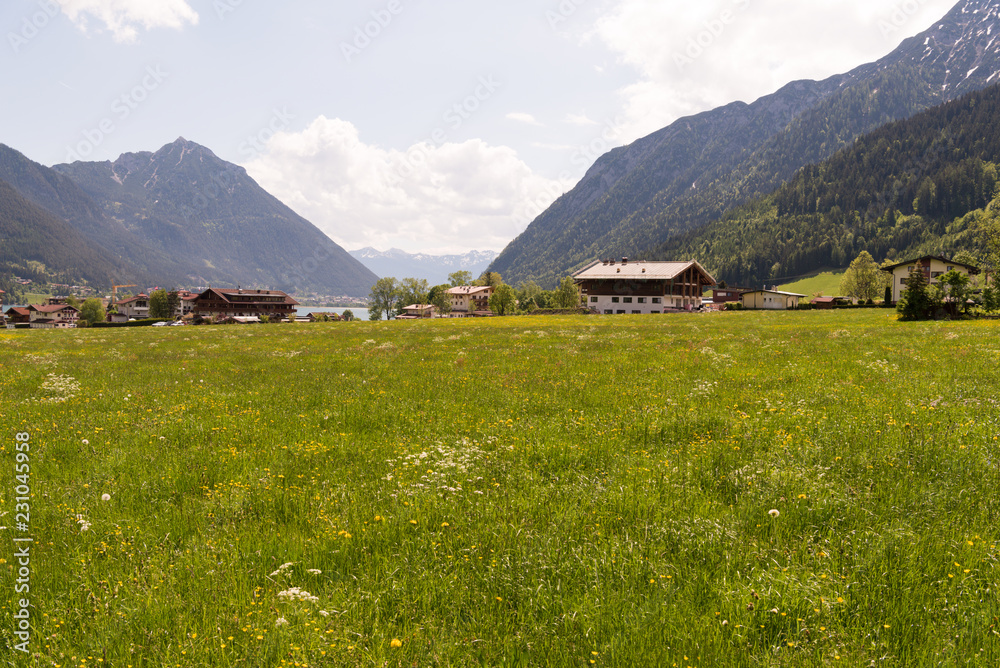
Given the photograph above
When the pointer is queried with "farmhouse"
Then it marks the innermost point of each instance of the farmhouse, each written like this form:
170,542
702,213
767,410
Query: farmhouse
468,299
933,266
239,303
771,300
52,317
136,308
612,287
18,315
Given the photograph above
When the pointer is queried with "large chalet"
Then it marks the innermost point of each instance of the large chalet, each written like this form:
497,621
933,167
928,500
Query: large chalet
239,303
612,287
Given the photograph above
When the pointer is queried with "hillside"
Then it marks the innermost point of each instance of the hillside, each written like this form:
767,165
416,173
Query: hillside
37,245
63,198
904,189
692,172
185,202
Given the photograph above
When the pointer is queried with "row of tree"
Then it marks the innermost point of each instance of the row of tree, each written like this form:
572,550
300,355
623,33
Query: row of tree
390,296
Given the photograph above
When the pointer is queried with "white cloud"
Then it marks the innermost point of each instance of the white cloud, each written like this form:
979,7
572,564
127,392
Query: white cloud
579,119
431,198
692,57
523,118
124,17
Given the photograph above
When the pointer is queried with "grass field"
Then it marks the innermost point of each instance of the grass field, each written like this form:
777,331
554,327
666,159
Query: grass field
564,491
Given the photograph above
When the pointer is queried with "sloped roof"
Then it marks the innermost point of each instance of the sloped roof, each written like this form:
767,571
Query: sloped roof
972,269
639,271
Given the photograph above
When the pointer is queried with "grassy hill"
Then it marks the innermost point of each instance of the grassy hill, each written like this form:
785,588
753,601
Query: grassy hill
827,283
733,490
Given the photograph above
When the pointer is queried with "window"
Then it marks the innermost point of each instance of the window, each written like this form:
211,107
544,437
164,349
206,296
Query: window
636,312
593,300
627,300
936,274
657,300
614,300
642,300
621,312
608,312
951,269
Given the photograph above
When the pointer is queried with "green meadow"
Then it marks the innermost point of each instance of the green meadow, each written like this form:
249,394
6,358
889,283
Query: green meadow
738,489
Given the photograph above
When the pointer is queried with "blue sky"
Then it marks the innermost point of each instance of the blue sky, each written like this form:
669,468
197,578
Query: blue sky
431,126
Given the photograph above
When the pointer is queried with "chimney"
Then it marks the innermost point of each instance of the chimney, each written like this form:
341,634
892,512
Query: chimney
624,261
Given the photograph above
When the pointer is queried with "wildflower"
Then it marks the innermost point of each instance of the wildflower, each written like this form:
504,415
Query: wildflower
85,442
105,497
282,568
281,621
773,512
297,594
314,571
396,643
324,613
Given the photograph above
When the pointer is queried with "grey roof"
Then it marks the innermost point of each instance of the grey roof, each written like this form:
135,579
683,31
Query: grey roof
644,271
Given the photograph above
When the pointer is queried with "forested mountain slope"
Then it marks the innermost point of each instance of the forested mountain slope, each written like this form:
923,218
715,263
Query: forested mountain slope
904,189
684,176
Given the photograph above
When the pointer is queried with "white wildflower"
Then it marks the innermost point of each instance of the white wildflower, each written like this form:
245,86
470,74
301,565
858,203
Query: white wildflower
296,594
281,621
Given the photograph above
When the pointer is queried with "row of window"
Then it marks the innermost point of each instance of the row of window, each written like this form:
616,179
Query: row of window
622,312
628,300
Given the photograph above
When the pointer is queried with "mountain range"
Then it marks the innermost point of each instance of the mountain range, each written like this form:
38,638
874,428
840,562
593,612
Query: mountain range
635,198
178,216
433,268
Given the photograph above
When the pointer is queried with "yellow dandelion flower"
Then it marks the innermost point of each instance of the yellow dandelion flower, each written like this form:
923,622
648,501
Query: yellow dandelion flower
396,643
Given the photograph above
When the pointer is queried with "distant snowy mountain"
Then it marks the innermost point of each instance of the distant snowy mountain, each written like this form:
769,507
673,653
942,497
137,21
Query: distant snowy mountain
434,268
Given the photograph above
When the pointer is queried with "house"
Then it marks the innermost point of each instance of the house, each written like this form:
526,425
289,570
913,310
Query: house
828,303
469,299
771,300
18,315
52,317
185,303
417,312
240,303
134,308
627,287
933,266
728,295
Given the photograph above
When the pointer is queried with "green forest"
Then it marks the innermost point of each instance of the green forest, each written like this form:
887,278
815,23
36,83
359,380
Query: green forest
924,185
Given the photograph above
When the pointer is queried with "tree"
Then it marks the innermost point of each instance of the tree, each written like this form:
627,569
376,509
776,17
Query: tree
504,300
174,302
411,291
92,311
956,291
916,303
490,278
440,298
460,278
383,299
347,316
568,295
863,280
159,305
